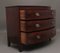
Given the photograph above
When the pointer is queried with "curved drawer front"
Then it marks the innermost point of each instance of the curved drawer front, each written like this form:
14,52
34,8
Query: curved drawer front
36,37
36,14
37,25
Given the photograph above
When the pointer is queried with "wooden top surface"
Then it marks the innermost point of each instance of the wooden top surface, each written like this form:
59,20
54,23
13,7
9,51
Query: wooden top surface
28,6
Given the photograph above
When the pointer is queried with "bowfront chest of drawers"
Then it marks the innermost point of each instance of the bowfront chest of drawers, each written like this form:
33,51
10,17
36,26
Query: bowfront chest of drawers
29,24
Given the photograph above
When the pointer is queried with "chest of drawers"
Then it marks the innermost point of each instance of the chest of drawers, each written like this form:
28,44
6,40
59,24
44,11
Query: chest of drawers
29,24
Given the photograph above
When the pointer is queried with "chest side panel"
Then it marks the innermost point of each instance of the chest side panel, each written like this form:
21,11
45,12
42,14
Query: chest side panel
12,20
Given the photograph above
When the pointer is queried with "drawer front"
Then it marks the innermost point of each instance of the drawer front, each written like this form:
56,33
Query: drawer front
36,37
37,25
36,14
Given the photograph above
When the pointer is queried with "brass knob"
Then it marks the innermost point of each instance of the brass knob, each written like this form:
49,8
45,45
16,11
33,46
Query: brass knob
37,14
37,25
52,8
38,36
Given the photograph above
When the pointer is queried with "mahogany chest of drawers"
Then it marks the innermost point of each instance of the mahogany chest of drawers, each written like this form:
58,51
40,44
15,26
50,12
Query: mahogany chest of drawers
29,24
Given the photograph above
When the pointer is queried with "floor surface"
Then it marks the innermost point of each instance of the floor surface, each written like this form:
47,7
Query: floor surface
52,47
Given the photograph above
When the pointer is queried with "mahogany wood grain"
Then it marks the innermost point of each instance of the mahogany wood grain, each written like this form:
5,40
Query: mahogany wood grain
29,24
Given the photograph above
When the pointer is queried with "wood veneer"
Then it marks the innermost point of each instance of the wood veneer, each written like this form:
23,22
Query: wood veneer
29,24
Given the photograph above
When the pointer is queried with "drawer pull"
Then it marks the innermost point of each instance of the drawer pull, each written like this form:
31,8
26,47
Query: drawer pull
37,25
53,12
37,14
38,37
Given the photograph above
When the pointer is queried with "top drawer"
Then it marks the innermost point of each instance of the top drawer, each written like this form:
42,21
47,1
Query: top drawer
36,14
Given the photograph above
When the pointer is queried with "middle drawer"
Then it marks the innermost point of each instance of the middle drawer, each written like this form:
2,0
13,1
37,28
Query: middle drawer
28,26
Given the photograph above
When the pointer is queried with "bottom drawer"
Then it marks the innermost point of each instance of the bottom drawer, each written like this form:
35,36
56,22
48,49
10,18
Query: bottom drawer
36,37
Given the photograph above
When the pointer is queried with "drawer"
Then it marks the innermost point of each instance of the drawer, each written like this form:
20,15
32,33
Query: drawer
37,25
36,14
36,37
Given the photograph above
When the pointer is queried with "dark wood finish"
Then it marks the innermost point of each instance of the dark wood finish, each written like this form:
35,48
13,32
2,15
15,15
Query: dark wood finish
30,14
39,36
29,25
13,28
36,25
